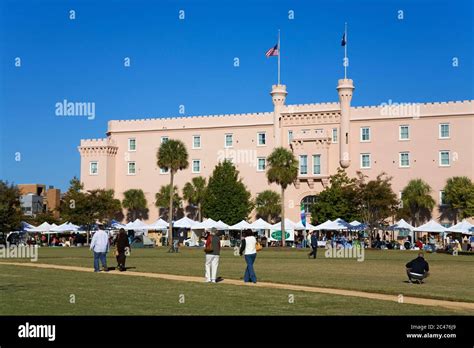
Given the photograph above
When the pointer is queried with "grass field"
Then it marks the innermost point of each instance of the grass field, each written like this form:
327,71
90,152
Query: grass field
45,291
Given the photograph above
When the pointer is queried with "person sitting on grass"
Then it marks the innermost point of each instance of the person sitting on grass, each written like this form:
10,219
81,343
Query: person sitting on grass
417,269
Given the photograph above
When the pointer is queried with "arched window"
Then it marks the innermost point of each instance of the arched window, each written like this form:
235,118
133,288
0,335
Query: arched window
307,202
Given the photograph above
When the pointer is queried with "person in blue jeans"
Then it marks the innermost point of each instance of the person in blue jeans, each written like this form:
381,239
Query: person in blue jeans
100,247
249,250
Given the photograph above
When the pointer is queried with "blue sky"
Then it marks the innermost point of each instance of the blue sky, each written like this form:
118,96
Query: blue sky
190,62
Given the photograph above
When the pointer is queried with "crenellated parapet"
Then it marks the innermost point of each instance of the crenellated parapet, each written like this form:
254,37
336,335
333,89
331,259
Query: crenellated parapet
93,147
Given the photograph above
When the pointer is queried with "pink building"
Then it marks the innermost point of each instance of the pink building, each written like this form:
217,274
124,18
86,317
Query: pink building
432,141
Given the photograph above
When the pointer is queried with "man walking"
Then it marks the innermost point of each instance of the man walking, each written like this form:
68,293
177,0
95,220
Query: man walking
417,269
100,247
314,245
212,250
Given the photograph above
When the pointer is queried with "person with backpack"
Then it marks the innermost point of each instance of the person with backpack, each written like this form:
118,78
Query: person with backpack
212,249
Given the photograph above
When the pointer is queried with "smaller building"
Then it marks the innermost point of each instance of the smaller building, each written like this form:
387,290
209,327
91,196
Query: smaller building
35,199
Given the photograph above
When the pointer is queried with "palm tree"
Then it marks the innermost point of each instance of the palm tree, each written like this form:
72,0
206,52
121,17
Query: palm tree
135,201
417,200
173,156
268,204
194,193
162,198
282,170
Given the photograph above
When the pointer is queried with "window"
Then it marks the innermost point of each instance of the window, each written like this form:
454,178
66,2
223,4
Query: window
132,144
196,166
261,138
290,136
131,168
93,168
164,139
303,164
404,133
261,164
164,170
307,202
442,198
400,198
365,160
229,140
316,164
444,159
444,131
196,141
404,159
364,133
334,135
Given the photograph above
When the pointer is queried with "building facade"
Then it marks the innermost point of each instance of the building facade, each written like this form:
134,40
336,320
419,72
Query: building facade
432,141
36,198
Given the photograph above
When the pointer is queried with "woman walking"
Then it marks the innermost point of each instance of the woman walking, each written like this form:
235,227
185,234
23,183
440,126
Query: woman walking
249,249
122,243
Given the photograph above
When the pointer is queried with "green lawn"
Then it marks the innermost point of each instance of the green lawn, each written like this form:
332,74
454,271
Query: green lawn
42,291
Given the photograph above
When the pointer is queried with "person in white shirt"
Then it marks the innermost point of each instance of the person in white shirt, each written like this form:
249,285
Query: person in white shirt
100,247
248,247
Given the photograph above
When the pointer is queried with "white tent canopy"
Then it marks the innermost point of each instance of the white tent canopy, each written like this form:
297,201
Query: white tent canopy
323,225
299,226
336,225
260,224
184,222
402,225
159,224
463,227
289,225
354,223
431,227
206,224
65,227
242,225
136,225
44,227
221,225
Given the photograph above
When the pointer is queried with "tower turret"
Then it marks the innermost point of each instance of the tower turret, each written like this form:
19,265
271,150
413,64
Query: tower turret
344,89
278,94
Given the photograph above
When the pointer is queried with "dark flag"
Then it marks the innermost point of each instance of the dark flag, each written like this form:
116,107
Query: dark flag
343,42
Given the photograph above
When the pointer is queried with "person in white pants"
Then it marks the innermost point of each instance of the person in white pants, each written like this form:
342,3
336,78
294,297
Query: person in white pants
212,250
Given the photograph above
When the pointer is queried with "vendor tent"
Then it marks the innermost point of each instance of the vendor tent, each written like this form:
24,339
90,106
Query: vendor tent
221,225
338,224
431,227
159,224
463,227
260,224
242,225
136,225
289,225
184,222
204,225
401,225
44,227
323,225
65,227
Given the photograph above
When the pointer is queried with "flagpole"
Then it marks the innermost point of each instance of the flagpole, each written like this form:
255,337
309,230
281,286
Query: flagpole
279,53
345,52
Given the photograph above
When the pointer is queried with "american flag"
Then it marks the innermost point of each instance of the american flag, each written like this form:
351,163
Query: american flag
272,51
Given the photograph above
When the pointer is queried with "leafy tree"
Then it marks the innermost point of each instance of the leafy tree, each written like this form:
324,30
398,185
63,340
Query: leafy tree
163,197
91,207
417,201
194,192
459,196
282,170
172,155
338,200
135,201
10,211
268,205
376,200
226,197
